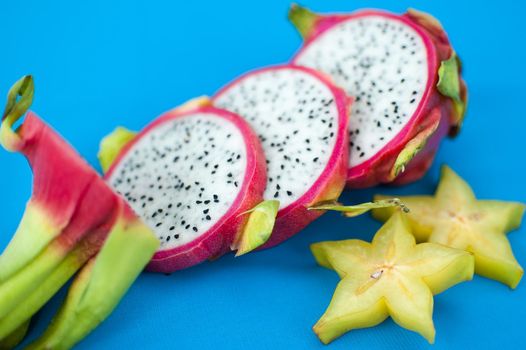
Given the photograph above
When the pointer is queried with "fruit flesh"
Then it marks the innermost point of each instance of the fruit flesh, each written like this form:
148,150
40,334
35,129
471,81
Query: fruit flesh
256,98
376,119
389,63
392,276
455,218
191,174
157,159
301,119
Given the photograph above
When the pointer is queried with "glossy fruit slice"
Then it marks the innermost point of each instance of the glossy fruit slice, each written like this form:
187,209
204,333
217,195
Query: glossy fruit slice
454,217
392,276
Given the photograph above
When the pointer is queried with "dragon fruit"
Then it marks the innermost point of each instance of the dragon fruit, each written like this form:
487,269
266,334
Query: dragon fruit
405,78
71,215
301,120
192,175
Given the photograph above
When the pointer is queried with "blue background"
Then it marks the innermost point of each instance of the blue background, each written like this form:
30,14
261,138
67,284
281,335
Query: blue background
100,63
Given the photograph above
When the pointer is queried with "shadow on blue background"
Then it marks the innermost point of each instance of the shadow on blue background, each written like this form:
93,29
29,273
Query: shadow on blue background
99,64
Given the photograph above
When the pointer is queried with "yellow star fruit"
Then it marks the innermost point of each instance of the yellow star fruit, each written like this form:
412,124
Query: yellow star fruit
392,276
455,218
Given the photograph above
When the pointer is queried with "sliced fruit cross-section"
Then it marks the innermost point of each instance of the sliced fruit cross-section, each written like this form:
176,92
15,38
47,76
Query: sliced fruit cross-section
392,276
454,217
405,78
193,175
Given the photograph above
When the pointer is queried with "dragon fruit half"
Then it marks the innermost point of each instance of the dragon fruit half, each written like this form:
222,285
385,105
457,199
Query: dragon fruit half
192,175
301,120
405,78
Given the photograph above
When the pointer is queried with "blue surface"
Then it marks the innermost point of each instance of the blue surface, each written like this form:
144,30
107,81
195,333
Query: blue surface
98,64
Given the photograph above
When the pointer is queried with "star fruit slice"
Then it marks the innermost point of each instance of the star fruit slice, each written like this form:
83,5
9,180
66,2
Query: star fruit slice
392,276
455,218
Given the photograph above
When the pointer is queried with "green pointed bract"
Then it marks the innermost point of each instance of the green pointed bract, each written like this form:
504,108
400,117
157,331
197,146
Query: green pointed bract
412,148
391,276
449,83
359,209
15,338
455,218
112,144
448,78
19,99
303,19
100,285
258,227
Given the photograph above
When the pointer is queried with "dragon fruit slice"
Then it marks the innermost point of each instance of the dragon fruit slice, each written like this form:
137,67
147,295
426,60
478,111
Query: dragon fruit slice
301,120
71,213
192,175
405,78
